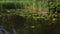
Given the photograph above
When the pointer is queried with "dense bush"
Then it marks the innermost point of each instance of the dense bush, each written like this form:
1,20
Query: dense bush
11,5
55,9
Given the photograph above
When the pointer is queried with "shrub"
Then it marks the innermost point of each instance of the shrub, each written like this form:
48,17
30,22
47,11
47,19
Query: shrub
11,6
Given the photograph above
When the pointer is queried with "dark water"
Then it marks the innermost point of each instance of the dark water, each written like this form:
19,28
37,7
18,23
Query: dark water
3,31
14,31
24,31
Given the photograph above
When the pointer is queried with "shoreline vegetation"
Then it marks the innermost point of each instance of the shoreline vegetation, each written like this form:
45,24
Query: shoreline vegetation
30,16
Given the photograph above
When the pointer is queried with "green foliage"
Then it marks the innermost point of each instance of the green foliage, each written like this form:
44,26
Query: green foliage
44,24
11,5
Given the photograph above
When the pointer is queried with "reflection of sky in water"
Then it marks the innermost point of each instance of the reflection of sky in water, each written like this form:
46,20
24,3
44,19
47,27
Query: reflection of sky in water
14,31
3,31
